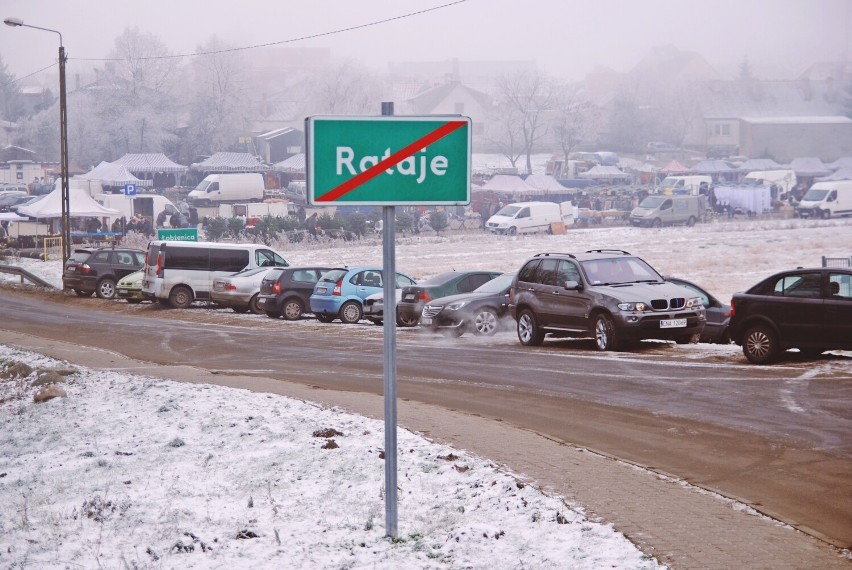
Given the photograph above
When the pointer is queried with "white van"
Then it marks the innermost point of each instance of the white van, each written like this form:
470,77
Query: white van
690,185
240,187
524,218
180,272
827,199
659,210
149,205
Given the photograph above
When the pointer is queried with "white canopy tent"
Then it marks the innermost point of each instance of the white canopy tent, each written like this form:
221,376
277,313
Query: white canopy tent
79,204
111,174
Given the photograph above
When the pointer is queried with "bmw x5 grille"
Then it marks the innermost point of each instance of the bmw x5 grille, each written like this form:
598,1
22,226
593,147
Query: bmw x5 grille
663,304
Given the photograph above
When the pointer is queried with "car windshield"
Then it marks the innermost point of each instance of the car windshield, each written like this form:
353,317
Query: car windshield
509,211
815,195
273,275
496,285
652,202
619,270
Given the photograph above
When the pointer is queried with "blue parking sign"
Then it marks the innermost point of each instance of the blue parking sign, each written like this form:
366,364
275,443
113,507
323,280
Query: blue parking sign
130,189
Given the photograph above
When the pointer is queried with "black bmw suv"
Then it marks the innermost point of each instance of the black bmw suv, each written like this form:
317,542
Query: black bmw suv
97,270
608,295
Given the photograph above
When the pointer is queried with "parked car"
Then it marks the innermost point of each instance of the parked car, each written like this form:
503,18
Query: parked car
10,199
130,288
718,313
482,311
240,290
374,309
415,297
97,270
808,309
286,291
608,295
340,293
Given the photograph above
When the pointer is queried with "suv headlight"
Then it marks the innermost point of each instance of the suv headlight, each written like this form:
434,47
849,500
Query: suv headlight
456,305
694,303
632,306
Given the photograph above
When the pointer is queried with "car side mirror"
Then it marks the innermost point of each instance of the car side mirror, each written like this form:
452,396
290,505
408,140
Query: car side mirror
572,286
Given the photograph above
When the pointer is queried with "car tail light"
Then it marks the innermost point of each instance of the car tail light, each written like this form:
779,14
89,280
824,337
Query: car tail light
732,308
160,264
276,287
337,288
230,287
85,268
424,296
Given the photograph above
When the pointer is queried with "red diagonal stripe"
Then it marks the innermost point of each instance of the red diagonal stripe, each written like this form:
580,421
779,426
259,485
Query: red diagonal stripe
391,161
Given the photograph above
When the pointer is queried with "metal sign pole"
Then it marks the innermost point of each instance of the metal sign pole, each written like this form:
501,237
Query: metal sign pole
389,312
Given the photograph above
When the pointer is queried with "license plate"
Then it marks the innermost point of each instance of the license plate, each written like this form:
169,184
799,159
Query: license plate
425,321
321,290
261,301
673,324
122,291
409,296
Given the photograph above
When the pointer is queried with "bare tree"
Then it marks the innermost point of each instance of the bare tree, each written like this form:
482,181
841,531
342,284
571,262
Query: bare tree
348,88
505,132
572,119
530,95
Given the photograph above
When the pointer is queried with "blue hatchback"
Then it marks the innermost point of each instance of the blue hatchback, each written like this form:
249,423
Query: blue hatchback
340,293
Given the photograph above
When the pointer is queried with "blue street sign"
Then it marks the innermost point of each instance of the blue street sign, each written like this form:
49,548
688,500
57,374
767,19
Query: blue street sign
130,189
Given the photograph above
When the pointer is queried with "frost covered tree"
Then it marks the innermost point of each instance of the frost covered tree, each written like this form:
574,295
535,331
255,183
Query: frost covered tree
219,101
504,131
133,99
348,88
11,101
573,118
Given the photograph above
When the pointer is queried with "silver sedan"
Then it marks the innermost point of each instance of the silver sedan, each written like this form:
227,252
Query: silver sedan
239,291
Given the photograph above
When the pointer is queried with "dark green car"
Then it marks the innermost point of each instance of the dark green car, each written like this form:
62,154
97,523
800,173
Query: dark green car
415,297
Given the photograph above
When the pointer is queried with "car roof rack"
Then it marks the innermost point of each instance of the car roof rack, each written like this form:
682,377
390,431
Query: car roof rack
621,251
548,254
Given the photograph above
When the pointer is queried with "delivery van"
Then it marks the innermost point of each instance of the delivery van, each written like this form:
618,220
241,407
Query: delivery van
149,206
689,185
239,187
827,199
661,210
179,272
525,218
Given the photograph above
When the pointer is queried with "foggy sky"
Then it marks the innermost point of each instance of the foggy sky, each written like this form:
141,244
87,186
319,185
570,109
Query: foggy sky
567,38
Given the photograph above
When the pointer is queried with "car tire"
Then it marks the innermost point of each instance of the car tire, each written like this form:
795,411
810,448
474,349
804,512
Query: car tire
485,322
181,297
105,289
292,309
81,293
513,231
323,318
351,312
408,321
606,337
657,223
760,346
253,306
529,333
826,214
690,222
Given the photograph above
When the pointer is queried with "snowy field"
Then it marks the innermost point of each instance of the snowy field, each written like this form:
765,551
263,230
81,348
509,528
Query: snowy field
132,472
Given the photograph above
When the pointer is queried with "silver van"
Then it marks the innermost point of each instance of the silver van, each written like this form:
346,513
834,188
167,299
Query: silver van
658,210
180,272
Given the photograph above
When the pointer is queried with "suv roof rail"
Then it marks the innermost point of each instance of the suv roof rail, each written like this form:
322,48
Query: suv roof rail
621,251
548,254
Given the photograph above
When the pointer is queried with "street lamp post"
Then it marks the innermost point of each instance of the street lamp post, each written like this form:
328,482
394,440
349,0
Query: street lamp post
63,138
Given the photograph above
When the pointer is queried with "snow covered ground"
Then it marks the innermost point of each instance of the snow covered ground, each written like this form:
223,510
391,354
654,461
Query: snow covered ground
133,472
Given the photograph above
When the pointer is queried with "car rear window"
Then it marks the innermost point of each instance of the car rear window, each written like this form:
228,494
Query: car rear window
334,275
79,256
273,275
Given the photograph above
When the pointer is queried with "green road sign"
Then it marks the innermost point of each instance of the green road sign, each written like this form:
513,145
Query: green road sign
181,234
388,160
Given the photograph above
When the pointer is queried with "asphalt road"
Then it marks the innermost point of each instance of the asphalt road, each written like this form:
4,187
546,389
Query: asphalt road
778,438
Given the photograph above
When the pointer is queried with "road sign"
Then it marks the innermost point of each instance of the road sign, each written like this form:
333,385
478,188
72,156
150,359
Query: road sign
178,234
130,189
388,160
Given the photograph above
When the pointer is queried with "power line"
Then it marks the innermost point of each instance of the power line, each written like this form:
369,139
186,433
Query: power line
292,40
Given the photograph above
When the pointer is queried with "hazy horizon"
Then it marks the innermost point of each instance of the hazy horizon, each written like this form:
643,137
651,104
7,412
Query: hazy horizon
779,38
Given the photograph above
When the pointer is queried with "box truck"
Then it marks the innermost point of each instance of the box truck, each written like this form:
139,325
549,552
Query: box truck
219,188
